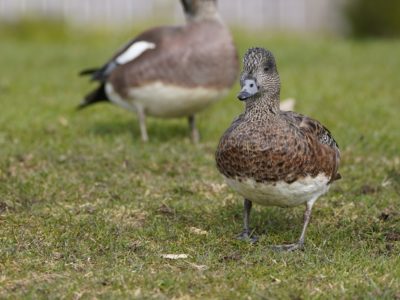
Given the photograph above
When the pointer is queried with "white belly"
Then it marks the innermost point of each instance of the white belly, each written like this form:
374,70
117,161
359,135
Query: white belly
281,194
165,101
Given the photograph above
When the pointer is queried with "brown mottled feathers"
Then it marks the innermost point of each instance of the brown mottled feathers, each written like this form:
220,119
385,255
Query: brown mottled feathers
282,147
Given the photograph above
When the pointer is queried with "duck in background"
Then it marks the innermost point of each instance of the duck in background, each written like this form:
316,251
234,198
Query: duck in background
171,72
275,157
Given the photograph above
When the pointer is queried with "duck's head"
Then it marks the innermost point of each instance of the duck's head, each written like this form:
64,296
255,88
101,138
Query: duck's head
260,76
199,9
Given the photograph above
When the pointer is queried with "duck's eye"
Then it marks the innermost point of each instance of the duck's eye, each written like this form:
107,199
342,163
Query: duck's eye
266,69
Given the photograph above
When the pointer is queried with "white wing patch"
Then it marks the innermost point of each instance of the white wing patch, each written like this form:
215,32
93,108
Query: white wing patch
135,50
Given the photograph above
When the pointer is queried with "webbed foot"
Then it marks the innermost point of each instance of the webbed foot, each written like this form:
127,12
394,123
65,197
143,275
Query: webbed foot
289,247
247,235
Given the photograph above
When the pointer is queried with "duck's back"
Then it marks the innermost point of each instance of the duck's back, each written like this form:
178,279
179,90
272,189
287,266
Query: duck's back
196,55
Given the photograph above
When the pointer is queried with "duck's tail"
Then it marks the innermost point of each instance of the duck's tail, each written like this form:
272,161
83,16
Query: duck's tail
98,95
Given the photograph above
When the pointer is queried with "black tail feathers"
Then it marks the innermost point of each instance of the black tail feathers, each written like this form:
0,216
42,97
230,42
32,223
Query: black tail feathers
88,72
337,176
98,95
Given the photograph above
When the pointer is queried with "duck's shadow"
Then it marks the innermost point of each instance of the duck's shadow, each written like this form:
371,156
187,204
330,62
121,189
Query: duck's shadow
158,130
266,221
283,224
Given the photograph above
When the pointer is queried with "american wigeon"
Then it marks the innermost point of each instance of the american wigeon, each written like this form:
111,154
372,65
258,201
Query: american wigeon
275,157
171,72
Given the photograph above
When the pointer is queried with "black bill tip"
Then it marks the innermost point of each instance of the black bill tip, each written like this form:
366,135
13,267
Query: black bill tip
243,95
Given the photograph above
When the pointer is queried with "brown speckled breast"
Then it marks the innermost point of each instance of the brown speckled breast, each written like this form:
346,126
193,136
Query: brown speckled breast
283,147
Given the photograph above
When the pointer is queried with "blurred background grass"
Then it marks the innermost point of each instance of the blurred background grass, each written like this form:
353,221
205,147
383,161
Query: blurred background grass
368,18
86,208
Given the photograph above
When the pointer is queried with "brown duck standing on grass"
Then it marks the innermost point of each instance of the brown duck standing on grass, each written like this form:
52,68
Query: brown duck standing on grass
275,157
171,72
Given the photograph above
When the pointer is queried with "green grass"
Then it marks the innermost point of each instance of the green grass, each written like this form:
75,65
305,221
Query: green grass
86,209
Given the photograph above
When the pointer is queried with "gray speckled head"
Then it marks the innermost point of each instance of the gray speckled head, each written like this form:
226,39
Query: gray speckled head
254,57
259,70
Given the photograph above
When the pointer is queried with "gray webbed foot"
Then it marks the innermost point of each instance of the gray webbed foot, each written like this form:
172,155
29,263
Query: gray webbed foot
300,244
289,247
246,235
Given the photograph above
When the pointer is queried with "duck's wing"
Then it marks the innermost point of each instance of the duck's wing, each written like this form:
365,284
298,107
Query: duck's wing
312,129
148,40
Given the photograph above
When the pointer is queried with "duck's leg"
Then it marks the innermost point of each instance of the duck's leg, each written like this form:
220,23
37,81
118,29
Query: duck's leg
142,122
300,244
246,233
194,133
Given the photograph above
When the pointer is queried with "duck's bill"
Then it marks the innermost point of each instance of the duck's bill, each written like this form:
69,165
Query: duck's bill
243,95
249,89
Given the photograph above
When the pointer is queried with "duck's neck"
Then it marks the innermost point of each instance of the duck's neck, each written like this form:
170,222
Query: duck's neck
262,107
207,12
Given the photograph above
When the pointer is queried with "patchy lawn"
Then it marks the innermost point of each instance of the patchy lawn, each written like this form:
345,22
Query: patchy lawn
87,209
